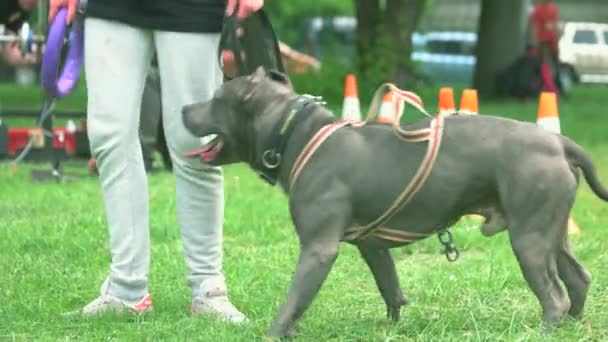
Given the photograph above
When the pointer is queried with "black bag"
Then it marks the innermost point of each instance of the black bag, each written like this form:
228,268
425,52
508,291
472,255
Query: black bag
255,45
521,79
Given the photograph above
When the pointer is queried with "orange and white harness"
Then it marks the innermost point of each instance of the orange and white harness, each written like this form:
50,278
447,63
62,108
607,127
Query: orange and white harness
431,135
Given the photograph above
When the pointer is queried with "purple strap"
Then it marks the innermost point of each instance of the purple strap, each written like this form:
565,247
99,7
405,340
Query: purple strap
60,84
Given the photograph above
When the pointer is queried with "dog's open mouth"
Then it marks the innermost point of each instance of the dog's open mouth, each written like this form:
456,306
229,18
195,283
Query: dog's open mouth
211,146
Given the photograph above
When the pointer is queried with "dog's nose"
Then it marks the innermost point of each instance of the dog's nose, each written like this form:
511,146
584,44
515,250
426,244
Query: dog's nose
187,117
189,112
195,117
187,109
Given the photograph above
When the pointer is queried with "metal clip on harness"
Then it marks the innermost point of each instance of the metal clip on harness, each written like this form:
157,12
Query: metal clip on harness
450,251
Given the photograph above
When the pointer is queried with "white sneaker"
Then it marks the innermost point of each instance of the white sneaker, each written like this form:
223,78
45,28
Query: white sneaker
106,303
213,300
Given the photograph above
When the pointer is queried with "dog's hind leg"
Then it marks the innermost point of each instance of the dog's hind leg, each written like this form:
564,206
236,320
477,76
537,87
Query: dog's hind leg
537,202
537,260
381,263
536,232
535,238
575,277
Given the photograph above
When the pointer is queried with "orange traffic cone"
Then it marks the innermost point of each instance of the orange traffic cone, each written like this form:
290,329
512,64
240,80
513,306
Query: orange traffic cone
388,108
351,109
446,101
548,118
468,102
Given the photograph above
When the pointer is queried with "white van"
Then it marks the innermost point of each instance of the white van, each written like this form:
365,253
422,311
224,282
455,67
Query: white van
584,46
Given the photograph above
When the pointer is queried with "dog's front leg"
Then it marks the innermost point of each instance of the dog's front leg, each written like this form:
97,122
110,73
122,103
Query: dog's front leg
318,251
381,264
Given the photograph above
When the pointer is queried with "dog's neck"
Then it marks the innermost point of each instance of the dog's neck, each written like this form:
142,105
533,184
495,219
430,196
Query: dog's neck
313,120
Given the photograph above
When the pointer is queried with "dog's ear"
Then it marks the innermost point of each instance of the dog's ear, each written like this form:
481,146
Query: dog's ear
280,77
254,79
259,73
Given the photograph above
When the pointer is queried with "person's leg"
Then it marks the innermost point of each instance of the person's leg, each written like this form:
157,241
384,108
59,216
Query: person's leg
117,59
545,69
557,72
189,73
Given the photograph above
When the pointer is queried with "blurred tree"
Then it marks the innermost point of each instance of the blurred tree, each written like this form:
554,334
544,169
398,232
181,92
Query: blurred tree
368,28
288,16
401,21
384,45
383,37
297,8
501,39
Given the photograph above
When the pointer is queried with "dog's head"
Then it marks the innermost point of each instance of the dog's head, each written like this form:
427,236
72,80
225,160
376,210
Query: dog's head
230,123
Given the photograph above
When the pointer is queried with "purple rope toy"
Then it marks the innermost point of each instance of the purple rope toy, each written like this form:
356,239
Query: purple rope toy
59,84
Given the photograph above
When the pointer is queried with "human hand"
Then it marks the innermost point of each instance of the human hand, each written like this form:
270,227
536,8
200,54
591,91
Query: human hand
246,7
55,5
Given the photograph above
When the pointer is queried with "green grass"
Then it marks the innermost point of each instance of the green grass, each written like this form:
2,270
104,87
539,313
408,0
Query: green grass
30,97
53,256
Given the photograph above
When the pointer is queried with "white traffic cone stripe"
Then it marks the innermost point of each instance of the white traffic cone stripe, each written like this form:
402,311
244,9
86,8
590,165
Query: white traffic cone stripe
387,111
551,124
351,109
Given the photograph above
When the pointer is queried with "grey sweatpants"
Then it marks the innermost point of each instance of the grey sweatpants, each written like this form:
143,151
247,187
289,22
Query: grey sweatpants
117,60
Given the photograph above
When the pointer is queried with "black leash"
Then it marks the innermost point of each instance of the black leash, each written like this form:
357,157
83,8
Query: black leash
230,41
258,43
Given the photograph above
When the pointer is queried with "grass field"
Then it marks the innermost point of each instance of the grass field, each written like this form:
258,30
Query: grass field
53,256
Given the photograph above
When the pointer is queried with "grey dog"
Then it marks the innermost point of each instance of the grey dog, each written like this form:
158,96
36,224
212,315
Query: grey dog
521,178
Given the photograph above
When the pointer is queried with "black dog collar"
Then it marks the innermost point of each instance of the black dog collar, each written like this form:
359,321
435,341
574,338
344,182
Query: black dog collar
269,165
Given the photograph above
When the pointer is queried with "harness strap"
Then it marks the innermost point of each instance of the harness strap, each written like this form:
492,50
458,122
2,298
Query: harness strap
434,142
433,135
399,98
314,143
399,236
414,136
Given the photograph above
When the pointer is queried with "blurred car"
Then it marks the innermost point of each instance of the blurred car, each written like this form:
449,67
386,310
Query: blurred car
583,47
445,56
331,36
441,56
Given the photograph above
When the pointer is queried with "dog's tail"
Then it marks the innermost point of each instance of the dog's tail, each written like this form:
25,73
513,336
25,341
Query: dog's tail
581,159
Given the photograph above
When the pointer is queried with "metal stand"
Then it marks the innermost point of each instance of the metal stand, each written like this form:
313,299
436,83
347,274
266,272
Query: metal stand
56,173
57,83
48,151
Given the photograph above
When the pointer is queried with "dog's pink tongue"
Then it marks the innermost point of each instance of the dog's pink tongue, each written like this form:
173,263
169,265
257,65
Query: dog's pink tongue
209,155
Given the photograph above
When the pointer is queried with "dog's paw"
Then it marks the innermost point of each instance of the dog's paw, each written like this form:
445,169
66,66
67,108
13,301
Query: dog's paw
393,311
547,329
281,335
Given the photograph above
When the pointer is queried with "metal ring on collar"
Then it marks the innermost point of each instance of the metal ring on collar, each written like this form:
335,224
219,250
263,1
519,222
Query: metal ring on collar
55,83
267,159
